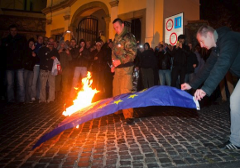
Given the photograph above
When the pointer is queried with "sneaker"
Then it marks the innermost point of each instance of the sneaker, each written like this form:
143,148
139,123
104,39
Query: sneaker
33,99
228,145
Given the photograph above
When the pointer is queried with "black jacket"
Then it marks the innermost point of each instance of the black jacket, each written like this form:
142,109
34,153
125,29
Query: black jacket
74,53
137,58
108,56
191,59
82,59
224,57
180,55
45,55
100,64
29,60
148,59
164,60
14,49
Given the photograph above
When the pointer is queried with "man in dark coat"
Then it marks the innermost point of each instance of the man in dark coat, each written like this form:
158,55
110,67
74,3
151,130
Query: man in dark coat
225,56
148,63
14,48
164,66
180,53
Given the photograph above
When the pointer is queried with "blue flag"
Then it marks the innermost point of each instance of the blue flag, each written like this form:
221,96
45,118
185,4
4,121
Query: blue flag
154,96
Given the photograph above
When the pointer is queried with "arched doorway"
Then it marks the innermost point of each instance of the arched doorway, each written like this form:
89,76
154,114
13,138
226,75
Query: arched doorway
88,29
89,19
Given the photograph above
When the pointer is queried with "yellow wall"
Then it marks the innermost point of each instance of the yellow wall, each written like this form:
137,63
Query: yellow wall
126,6
156,12
57,23
78,4
191,9
158,26
57,17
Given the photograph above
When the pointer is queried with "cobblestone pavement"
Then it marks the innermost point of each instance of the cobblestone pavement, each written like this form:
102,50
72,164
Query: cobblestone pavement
160,137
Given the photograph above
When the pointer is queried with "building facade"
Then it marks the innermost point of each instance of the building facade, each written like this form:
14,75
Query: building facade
26,14
144,18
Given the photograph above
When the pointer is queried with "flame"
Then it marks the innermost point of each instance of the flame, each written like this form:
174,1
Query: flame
84,98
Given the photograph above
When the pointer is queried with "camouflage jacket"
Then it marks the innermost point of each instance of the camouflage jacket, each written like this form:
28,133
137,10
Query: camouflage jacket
124,47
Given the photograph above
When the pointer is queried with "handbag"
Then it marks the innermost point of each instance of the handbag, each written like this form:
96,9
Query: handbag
56,68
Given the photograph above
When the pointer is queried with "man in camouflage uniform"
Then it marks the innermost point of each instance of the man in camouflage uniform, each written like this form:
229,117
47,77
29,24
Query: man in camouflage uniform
123,54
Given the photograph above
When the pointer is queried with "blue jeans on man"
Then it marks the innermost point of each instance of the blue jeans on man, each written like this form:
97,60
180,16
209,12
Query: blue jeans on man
79,71
10,75
165,77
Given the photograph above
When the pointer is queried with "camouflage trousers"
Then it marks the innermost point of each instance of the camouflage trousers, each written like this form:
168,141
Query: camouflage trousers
122,83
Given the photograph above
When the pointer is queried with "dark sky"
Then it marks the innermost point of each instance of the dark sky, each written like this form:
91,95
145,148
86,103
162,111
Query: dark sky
221,13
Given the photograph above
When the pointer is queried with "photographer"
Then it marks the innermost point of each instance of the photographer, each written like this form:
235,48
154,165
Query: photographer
180,53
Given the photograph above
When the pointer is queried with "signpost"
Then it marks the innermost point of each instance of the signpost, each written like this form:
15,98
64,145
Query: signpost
173,28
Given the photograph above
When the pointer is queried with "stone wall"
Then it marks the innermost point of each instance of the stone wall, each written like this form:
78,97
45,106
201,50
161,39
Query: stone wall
27,26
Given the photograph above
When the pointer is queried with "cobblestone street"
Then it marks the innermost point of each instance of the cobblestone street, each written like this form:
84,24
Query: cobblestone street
159,137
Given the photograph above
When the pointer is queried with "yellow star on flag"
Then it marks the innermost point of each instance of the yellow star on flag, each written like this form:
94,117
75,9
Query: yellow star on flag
118,101
132,96
143,90
103,105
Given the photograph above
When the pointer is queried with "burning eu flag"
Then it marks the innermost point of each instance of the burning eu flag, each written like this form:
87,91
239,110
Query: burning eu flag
154,96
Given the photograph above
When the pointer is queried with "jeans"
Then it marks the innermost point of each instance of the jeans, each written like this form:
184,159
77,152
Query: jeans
235,115
165,77
77,72
45,76
28,79
10,85
36,82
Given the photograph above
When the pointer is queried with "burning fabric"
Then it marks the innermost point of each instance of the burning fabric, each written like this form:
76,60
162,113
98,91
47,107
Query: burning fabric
83,111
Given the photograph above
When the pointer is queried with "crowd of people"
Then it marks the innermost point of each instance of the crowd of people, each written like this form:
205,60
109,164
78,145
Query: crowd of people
167,64
26,70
